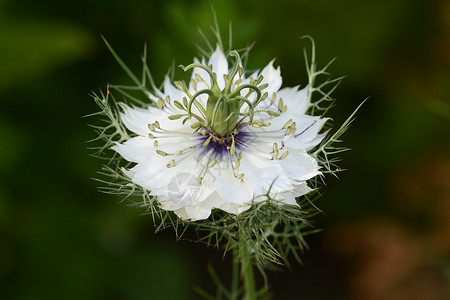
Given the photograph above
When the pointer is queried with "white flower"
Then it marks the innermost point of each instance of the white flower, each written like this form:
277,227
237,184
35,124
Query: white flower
225,141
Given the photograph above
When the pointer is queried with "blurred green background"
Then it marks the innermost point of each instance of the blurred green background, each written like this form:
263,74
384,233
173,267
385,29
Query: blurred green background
386,220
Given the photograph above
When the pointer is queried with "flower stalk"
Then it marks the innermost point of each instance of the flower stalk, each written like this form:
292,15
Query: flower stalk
248,276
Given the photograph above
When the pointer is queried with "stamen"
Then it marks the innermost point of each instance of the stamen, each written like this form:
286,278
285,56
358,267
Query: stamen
237,164
162,153
275,154
176,117
200,79
263,86
179,105
280,104
160,103
171,164
232,148
287,124
194,83
196,125
275,147
206,143
285,154
212,163
274,97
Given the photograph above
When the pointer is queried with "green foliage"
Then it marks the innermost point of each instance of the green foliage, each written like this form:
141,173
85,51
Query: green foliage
35,48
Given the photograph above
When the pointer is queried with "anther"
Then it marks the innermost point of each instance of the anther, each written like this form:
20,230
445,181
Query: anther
280,105
179,105
264,96
171,164
232,149
196,125
263,86
275,154
175,117
212,163
207,141
272,113
287,124
194,83
162,153
178,85
260,78
284,155
237,164
160,103
274,97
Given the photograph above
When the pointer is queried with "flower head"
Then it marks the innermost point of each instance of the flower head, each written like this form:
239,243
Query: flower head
225,140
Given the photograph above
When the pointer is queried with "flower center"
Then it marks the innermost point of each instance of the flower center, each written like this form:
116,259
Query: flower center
224,115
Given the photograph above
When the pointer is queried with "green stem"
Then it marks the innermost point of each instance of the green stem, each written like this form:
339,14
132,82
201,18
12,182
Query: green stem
247,273
235,278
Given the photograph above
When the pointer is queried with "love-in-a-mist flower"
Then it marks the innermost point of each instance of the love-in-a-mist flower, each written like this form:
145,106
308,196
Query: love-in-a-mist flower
224,141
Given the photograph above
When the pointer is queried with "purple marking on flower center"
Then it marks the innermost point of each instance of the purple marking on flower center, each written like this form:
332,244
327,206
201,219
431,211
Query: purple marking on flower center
220,145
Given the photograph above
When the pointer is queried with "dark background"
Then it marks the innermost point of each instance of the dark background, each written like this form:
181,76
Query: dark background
386,220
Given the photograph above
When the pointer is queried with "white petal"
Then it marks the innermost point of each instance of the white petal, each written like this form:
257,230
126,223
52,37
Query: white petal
219,66
173,92
302,189
135,149
299,165
137,119
271,76
286,198
263,174
232,190
295,100
307,135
